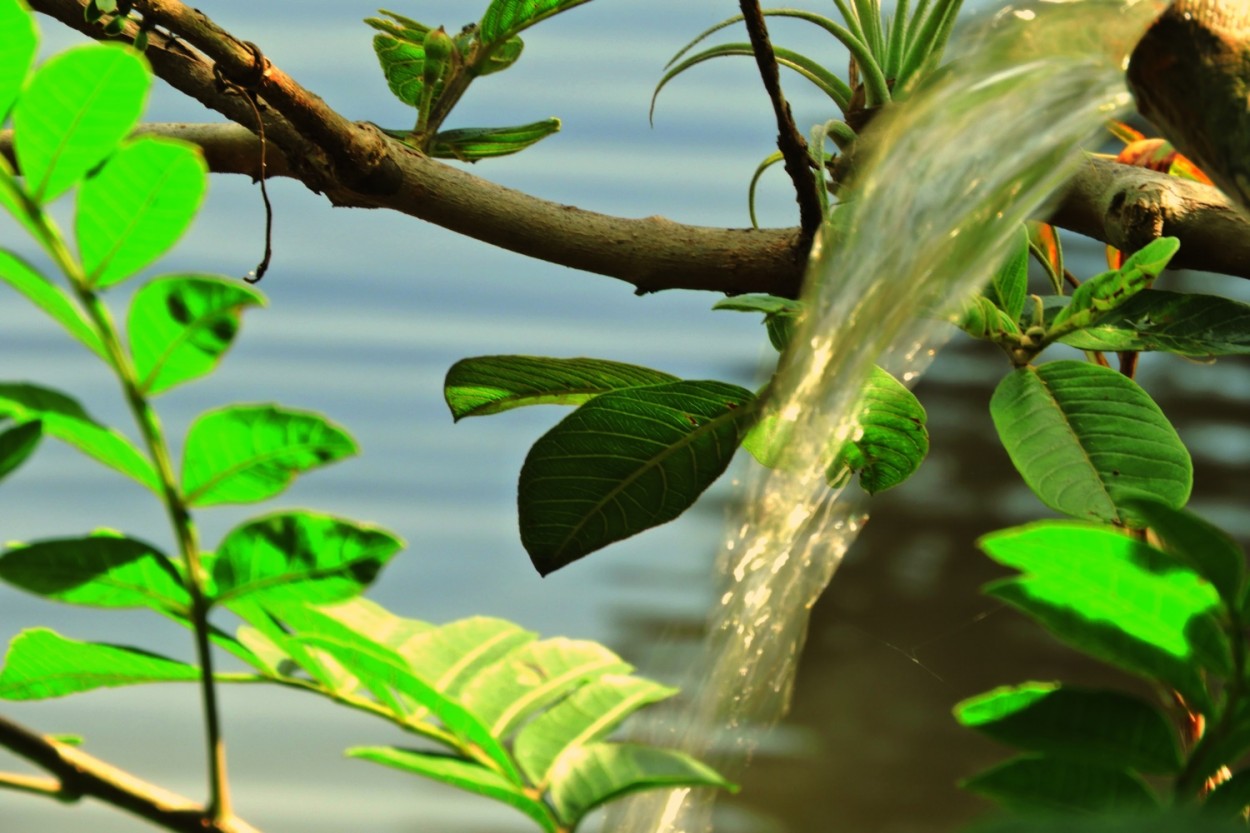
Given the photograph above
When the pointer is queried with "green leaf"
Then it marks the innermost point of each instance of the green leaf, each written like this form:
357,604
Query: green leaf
181,325
1198,326
457,772
597,773
66,420
248,453
534,676
302,556
1096,727
17,444
41,664
1010,283
17,50
1230,799
1173,820
50,298
1048,785
505,18
469,144
451,655
403,63
137,206
1102,293
623,462
587,715
102,570
781,315
492,384
1114,598
893,440
73,114
1085,438
1206,549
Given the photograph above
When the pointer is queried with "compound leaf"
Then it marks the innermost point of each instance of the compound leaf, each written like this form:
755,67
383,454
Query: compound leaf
41,664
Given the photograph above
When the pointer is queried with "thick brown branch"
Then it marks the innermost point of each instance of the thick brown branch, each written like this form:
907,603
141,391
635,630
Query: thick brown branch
79,774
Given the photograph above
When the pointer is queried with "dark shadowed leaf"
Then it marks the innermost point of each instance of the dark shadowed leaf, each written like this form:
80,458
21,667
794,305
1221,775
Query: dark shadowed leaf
303,556
41,664
102,570
491,384
1099,727
1085,437
1205,548
17,444
73,114
457,772
1114,598
66,420
596,773
1049,785
247,453
623,462
181,325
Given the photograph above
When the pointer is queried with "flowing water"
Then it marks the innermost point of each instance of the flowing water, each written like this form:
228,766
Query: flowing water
951,175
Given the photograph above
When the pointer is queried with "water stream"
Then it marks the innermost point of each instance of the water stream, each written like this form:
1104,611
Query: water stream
951,175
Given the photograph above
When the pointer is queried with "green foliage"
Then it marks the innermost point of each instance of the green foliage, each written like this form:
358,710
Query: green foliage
517,719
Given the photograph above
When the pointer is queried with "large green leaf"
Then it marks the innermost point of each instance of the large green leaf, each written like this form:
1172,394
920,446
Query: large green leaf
505,18
1085,437
600,772
17,50
469,144
534,676
74,113
587,715
66,420
1101,294
450,656
1098,727
1115,598
50,298
300,555
181,325
102,570
1199,326
136,206
1049,785
893,440
17,444
41,664
623,462
491,384
1208,550
247,453
457,772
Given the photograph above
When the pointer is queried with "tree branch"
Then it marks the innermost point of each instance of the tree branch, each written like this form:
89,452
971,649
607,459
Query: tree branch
81,775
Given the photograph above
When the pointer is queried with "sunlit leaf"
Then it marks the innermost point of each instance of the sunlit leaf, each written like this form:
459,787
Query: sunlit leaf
505,18
1085,437
101,570
41,664
302,556
597,773
50,298
534,676
1100,727
469,144
17,50
492,384
17,444
136,206
457,772
587,715
247,453
74,112
623,462
450,656
181,325
1049,785
66,420
1208,550
1114,598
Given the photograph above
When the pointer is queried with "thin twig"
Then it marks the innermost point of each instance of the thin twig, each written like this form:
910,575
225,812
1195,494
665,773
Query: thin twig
789,140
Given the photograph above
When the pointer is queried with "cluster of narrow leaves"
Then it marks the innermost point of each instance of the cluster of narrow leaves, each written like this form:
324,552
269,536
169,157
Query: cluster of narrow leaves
888,55
641,445
1175,615
430,69
517,719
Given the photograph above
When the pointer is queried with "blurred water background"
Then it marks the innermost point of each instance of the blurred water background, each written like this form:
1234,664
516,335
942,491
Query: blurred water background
368,310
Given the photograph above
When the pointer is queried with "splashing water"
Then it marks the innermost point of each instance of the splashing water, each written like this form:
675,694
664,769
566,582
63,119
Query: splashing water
950,176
